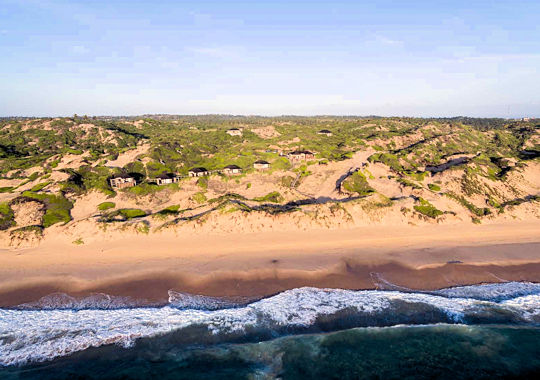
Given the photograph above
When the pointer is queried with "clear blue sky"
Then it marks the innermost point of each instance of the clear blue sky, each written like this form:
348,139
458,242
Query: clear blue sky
417,58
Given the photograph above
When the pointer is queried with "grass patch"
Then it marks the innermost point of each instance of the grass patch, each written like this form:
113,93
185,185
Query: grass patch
478,211
417,176
106,206
274,197
78,241
6,189
427,209
434,187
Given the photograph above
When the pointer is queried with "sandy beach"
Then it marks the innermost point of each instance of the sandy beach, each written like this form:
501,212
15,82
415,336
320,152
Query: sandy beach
261,264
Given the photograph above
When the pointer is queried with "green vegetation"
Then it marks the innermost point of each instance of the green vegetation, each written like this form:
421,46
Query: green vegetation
171,210
478,211
131,213
78,241
57,207
390,160
40,186
483,151
357,183
427,209
106,206
6,216
274,197
199,197
406,182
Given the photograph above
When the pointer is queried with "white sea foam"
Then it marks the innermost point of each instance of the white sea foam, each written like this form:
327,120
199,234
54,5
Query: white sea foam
492,292
40,335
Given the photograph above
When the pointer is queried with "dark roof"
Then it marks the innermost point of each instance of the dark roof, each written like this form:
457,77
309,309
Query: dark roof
166,176
122,176
232,167
198,170
324,131
263,162
233,129
301,152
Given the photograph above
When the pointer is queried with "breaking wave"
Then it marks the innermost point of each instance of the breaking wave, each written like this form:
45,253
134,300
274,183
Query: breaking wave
58,325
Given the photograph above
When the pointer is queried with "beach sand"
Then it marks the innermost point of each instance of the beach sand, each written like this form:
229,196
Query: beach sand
260,264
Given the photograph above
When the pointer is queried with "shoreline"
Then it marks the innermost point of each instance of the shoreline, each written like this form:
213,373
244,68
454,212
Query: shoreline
262,264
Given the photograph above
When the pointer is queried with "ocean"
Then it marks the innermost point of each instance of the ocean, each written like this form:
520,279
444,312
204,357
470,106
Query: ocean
481,331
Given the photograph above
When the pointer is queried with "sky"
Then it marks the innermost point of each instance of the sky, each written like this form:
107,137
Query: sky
387,58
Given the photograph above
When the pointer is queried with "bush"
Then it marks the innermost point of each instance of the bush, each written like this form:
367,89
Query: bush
434,187
417,176
7,189
274,197
6,216
144,189
171,210
427,209
40,186
130,213
199,197
478,211
388,159
106,206
357,183
203,182
57,207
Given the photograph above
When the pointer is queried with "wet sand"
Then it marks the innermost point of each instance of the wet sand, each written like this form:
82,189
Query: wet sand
146,267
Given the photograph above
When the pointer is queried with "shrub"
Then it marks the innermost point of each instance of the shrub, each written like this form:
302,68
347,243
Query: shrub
57,207
357,183
406,182
417,176
478,211
78,241
434,187
171,210
7,189
40,186
199,197
6,216
130,213
427,209
106,206
388,159
287,181
203,182
274,197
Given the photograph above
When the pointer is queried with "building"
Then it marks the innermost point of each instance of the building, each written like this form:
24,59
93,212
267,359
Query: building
325,132
261,165
232,170
166,179
234,132
122,182
300,155
198,172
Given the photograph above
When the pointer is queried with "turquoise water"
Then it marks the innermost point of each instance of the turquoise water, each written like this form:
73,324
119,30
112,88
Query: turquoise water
486,331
